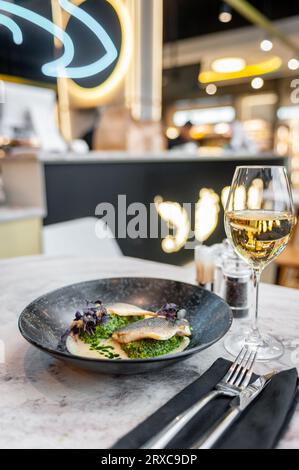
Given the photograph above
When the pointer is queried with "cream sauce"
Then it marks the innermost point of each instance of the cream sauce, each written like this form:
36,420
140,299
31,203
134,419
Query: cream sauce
78,348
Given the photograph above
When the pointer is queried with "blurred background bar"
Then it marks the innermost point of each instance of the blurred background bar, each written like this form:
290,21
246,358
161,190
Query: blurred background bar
196,88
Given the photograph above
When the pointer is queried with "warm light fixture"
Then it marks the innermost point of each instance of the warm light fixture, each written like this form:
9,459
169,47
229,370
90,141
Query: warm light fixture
225,17
257,83
253,70
293,64
266,45
103,37
255,194
204,115
211,89
255,125
207,210
90,97
228,65
225,14
288,113
206,214
240,197
172,133
176,217
199,132
222,128
225,195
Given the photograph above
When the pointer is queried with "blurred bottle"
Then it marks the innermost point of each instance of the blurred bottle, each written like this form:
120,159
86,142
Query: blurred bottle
220,270
236,285
205,266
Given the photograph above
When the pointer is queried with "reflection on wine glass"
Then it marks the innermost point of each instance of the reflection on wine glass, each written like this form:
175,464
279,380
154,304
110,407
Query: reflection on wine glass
259,229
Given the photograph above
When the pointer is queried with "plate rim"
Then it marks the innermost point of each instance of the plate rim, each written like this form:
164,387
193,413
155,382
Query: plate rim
168,357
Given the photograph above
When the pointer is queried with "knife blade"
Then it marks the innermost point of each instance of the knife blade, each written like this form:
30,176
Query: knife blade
237,407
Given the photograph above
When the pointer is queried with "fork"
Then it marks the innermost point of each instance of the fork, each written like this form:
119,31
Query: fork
236,380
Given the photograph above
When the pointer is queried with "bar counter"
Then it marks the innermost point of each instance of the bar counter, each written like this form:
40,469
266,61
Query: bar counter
175,176
178,156
75,184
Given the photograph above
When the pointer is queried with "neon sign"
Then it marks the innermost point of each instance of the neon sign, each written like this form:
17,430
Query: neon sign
101,93
60,68
13,27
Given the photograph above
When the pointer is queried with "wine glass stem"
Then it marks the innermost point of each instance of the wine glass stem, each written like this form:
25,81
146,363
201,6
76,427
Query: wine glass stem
256,285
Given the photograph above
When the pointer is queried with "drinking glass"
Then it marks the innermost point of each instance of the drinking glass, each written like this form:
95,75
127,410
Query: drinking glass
259,220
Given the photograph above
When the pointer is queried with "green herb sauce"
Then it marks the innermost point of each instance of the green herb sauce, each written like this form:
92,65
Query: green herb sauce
137,349
146,348
105,331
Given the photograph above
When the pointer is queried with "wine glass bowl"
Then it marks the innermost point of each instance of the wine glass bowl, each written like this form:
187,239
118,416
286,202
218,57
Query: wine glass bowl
259,220
259,237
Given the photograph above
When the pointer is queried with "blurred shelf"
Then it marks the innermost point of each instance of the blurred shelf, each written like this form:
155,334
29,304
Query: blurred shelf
164,157
11,214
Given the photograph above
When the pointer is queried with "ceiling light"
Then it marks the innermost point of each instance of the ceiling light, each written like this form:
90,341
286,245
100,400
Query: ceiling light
288,113
266,45
172,133
253,70
222,128
201,116
225,14
211,89
293,64
228,65
257,83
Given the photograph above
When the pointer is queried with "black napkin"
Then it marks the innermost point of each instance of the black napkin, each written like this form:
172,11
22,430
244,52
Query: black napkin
260,426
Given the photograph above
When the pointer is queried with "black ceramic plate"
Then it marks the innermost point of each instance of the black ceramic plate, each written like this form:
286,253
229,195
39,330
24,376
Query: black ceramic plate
45,320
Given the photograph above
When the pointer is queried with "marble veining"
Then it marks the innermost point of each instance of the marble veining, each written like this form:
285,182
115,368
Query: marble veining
46,404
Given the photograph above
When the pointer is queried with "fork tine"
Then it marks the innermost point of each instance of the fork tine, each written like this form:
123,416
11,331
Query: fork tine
241,368
245,375
245,382
236,363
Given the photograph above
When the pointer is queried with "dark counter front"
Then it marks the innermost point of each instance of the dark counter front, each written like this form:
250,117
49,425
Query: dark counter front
74,189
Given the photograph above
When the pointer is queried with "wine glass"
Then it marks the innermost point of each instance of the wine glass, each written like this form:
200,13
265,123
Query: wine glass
259,220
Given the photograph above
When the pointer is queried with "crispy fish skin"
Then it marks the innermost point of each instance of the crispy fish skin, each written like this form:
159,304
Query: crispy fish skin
127,310
152,328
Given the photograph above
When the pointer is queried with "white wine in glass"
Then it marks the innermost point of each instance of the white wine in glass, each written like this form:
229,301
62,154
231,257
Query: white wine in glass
259,220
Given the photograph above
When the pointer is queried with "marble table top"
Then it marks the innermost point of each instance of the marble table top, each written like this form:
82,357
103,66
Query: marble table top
46,404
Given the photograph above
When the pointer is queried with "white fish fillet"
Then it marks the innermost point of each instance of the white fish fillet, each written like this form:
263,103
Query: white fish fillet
127,310
154,328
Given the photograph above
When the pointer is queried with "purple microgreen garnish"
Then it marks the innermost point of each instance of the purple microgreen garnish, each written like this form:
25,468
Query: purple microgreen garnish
105,319
78,316
168,311
93,315
75,330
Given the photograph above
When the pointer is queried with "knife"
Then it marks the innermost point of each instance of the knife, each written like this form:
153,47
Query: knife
237,406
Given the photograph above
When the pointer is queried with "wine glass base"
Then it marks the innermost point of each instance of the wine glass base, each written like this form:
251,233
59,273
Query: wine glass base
269,348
